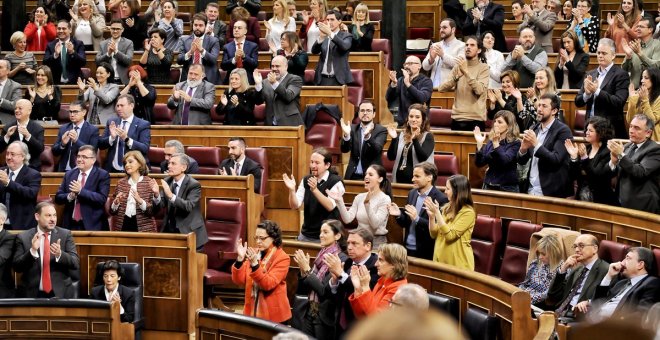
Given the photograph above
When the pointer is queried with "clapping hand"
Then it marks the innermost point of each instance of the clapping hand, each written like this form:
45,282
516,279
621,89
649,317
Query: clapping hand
615,147
355,279
252,255
241,250
394,210
312,183
257,77
479,136
75,186
391,130
643,93
393,79
223,100
302,260
590,85
571,148
31,92
56,248
81,85
345,127
334,195
118,198
289,182
406,76
636,46
411,211
334,264
136,196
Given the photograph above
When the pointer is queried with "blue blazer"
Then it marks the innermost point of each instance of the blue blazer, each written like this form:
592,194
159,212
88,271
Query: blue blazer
75,61
92,198
23,191
88,135
210,59
139,131
425,244
250,61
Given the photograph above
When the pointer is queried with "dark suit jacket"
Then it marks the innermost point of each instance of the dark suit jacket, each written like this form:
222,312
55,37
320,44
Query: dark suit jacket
210,59
576,70
597,175
283,102
611,100
339,48
23,190
61,272
636,301
250,59
7,285
193,168
186,208
139,131
639,176
35,144
127,300
493,20
425,244
344,290
220,32
563,283
369,152
75,61
250,167
253,6
88,135
553,162
92,198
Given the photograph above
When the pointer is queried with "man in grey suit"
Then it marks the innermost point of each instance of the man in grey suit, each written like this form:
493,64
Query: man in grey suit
333,46
281,92
200,48
10,92
179,197
117,51
193,99
541,21
215,27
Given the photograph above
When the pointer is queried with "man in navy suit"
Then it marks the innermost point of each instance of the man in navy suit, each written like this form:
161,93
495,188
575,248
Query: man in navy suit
19,187
486,16
240,53
84,191
238,164
414,218
124,134
65,55
7,241
333,46
25,130
74,135
200,48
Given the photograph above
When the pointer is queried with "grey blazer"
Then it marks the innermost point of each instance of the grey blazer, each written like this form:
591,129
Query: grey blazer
11,92
186,208
123,57
340,48
283,102
200,105
543,24
107,96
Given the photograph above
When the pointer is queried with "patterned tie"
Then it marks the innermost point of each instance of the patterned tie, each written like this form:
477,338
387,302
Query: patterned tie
45,268
578,283
197,58
237,168
239,60
94,115
7,193
77,212
186,108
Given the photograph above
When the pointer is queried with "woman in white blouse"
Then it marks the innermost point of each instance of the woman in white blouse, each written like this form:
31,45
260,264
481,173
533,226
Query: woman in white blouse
494,58
369,208
99,4
132,206
87,25
309,31
279,23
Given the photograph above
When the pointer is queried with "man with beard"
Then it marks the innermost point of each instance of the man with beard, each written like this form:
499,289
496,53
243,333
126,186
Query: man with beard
364,141
442,55
192,99
240,53
238,164
526,58
469,81
333,46
544,144
541,21
313,194
281,92
486,16
118,52
411,88
200,48
65,55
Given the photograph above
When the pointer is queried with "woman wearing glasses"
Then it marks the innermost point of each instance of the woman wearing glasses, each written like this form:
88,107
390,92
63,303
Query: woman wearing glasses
262,270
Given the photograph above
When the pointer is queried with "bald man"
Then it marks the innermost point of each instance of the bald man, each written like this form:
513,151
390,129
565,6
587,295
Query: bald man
411,88
281,92
25,130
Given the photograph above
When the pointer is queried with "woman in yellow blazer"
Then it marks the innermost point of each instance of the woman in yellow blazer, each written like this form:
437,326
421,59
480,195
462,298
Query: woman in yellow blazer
453,225
646,100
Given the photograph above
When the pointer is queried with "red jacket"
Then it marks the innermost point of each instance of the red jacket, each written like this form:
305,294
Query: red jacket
378,298
48,33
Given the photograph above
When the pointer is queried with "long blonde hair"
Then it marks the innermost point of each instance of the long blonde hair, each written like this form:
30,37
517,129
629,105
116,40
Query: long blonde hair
361,7
552,84
284,16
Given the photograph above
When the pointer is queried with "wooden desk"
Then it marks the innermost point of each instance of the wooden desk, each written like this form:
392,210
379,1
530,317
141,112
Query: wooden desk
216,324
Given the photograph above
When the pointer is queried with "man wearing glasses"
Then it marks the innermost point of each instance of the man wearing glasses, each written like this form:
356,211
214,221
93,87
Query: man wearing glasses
84,191
577,278
364,141
74,135
118,52
411,88
643,52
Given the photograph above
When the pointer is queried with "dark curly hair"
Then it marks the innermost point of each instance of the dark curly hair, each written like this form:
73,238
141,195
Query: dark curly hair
603,128
273,230
113,265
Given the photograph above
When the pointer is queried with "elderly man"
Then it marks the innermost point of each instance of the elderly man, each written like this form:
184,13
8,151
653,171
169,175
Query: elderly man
334,46
73,135
411,295
173,146
541,21
19,187
7,239
443,55
281,92
25,130
526,58
215,27
117,51
483,17
641,53
411,88
200,48
10,92
65,55
192,99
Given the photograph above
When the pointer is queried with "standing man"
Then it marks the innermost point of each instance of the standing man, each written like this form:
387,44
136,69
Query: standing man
239,165
74,135
173,146
411,88
281,92
215,27
192,98
443,55
123,134
333,45
84,191
240,53
46,255
7,241
117,51
527,58
25,130
19,187
541,21
10,93
200,48
65,55
483,17
641,53
364,141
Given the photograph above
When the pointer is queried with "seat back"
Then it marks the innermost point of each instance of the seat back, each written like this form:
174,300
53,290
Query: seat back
579,124
446,304
208,158
325,132
260,114
566,239
262,16
309,77
611,251
440,118
420,33
516,251
175,75
47,159
656,254
63,115
132,279
263,45
156,155
259,155
447,166
375,14
480,325
387,164
85,73
486,241
511,43
225,224
356,89
162,114
383,45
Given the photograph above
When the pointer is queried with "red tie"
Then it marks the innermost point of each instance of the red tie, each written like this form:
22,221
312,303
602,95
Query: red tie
45,268
77,213
239,60
197,59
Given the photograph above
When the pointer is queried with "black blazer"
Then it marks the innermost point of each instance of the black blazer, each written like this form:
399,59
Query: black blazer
596,174
75,61
127,300
35,144
88,135
493,20
576,70
6,251
340,48
563,283
639,176
250,167
243,113
362,44
425,244
23,191
345,289
636,301
370,152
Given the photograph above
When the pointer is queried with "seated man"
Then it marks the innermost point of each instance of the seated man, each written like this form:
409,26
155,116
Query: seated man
117,51
74,135
25,130
84,191
112,290
7,239
527,58
281,92
240,53
334,46
65,55
192,99
200,48
173,146
364,141
239,165
442,55
411,295
412,87
541,21
10,92
19,187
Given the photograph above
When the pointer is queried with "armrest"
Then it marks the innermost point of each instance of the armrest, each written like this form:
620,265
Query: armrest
227,255
126,331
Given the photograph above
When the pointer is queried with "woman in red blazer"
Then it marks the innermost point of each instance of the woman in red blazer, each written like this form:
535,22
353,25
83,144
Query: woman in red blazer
40,30
392,267
263,271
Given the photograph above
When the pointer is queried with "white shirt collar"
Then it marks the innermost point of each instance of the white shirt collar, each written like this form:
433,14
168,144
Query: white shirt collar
15,171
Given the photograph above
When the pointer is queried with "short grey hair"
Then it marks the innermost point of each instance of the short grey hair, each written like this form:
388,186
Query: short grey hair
3,212
6,62
607,42
650,123
412,295
178,146
24,149
183,158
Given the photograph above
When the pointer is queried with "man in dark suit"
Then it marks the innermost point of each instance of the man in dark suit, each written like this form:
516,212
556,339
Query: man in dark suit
113,290
10,92
253,6
586,272
239,165
281,92
364,141
544,144
215,27
240,53
19,187
414,218
7,239
192,99
638,164
171,147
333,46
124,134
118,52
179,197
74,135
46,255
65,55
412,87
25,130
200,48
605,89
84,191
486,16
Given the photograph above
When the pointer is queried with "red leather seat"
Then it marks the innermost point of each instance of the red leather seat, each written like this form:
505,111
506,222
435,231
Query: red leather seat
440,118
162,114
656,254
262,16
263,45
447,166
216,118
556,45
383,45
486,240
86,73
356,88
375,15
325,132
260,114
47,159
156,155
511,42
309,77
259,155
175,75
516,251
387,164
63,115
208,158
223,75
420,33
579,123
611,251
184,16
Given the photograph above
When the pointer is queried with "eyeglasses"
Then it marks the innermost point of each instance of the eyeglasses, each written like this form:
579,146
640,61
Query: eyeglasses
410,63
261,238
581,246
85,157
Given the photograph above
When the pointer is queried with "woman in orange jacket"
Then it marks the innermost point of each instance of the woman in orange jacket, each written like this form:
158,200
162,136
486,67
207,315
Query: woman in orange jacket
263,271
392,267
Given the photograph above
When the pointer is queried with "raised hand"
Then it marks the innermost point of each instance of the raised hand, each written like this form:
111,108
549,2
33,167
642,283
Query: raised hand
393,79
570,262
312,183
302,260
365,276
334,264
56,248
631,90
479,136
393,210
571,148
391,130
345,127
643,92
410,211
241,250
355,279
223,100
257,77
289,182
118,199
81,85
